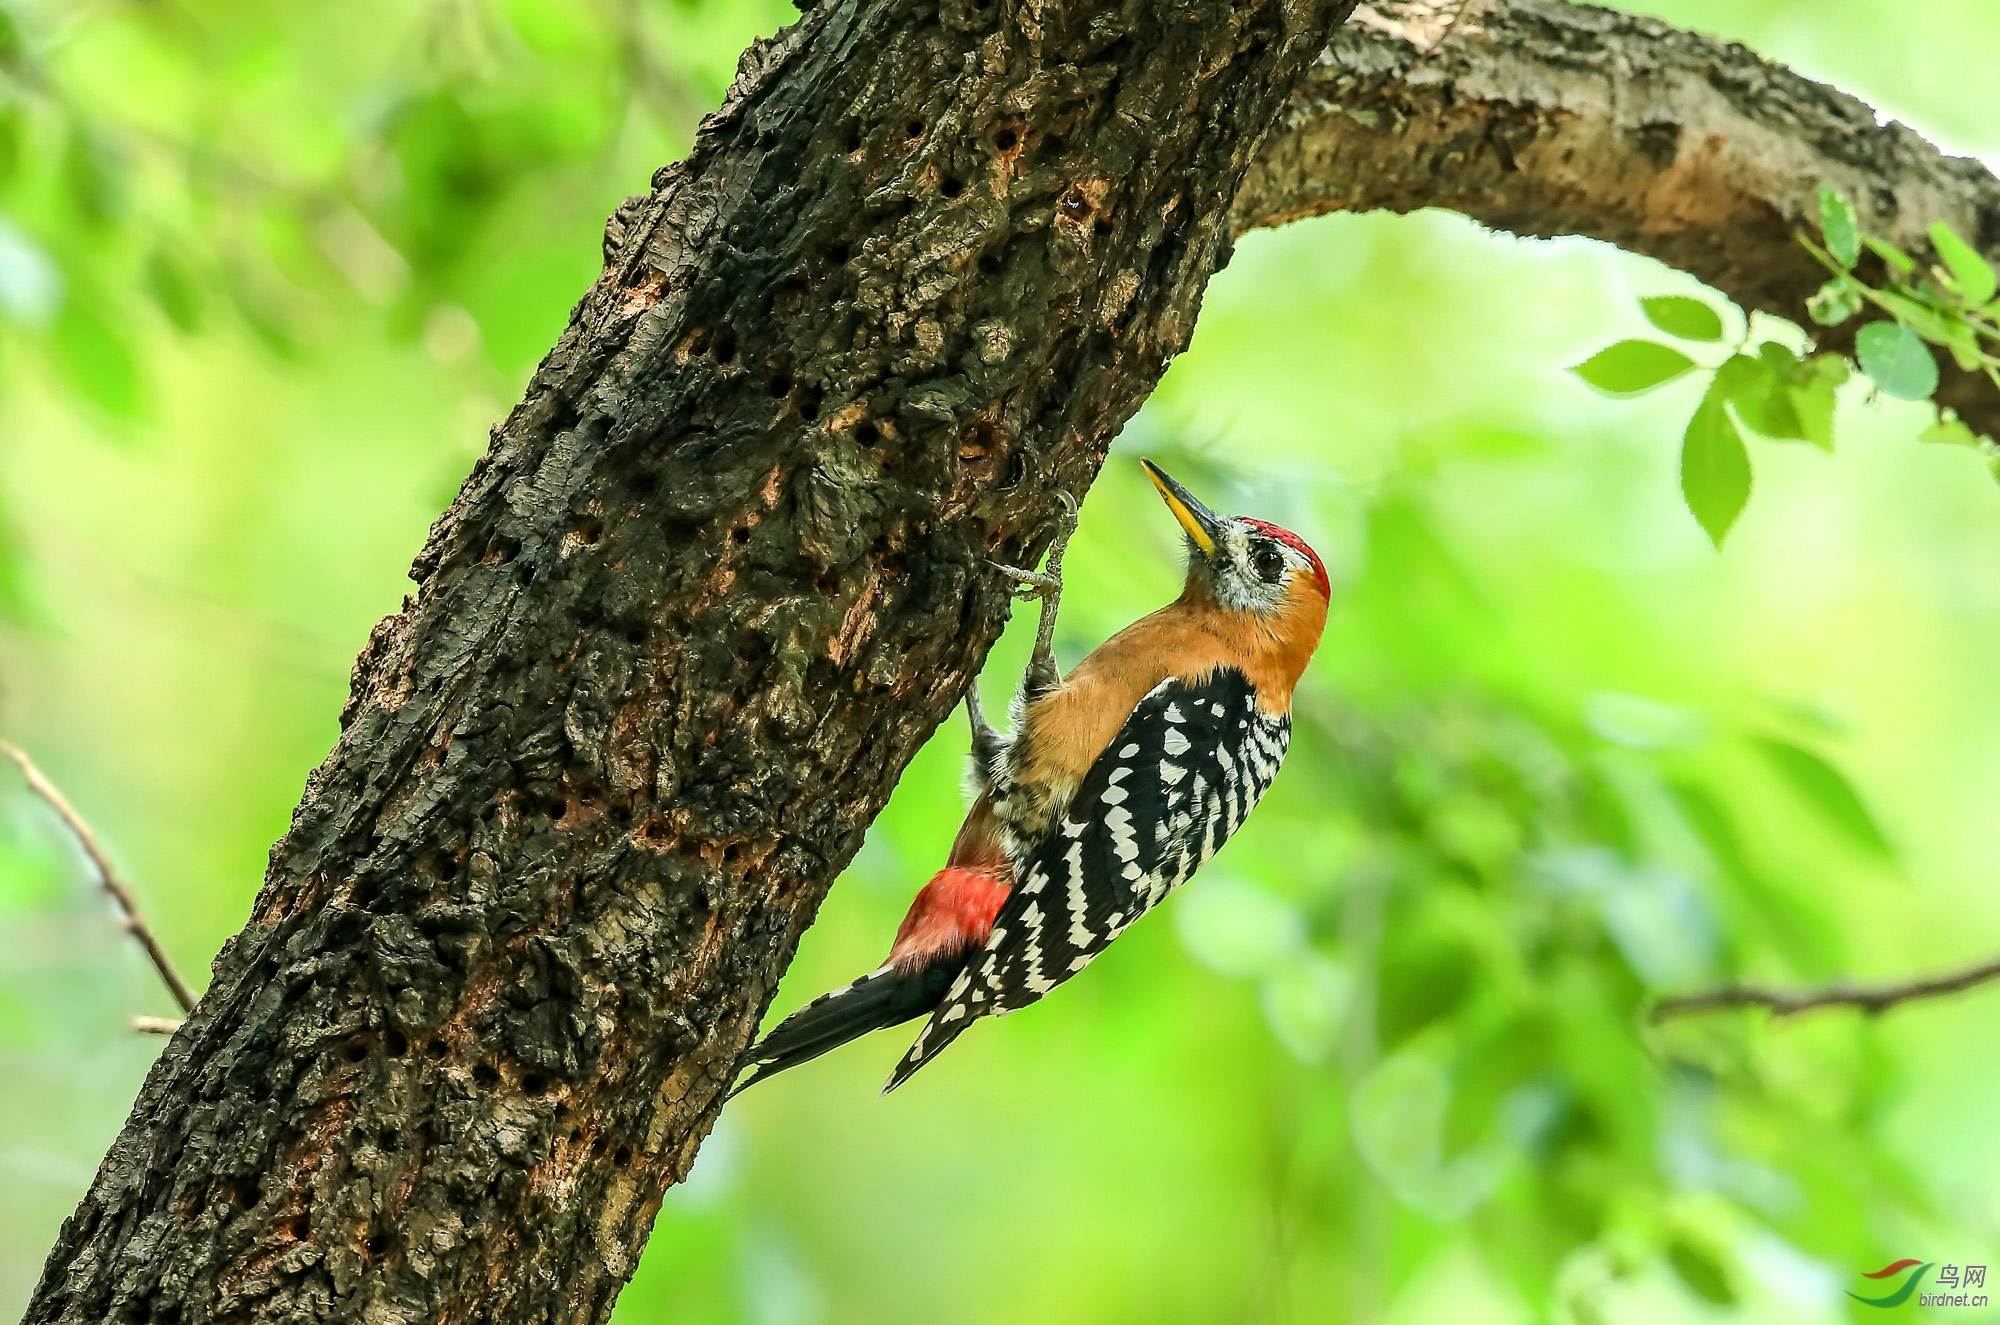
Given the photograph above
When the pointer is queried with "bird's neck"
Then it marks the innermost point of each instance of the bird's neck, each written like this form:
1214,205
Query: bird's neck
1272,648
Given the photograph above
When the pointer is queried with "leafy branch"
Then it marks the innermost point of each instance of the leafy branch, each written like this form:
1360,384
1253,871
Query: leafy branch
1783,394
1953,306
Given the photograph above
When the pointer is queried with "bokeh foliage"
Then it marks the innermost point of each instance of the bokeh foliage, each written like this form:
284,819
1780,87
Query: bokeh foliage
268,272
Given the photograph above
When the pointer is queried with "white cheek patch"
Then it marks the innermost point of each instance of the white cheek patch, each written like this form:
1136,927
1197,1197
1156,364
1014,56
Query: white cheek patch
1240,589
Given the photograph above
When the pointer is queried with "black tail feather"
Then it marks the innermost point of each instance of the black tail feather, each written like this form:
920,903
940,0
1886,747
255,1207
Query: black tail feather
930,1041
884,997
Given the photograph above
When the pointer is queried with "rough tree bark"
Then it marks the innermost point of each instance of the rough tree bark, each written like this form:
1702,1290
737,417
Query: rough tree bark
1544,118
723,571
720,574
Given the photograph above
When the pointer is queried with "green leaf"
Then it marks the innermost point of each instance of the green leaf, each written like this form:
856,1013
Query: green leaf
1836,222
1972,273
1897,360
1780,395
1770,412
1741,373
1711,822
1948,430
1811,713
1833,369
1930,320
98,360
1632,366
94,176
13,132
1834,302
1827,789
1678,315
1703,1274
1813,405
1756,388
1641,724
174,290
1715,469
1899,262
1781,359
266,316
11,45
1966,350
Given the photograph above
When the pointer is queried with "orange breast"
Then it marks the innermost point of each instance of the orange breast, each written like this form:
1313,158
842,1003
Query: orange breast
1189,638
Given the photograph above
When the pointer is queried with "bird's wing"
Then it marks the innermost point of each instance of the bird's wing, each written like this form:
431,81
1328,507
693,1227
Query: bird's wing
1164,796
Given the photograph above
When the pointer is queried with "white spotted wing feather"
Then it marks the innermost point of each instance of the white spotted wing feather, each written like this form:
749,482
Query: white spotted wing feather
1182,775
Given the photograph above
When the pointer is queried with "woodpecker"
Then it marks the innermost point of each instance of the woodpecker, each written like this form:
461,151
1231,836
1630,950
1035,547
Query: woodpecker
1116,784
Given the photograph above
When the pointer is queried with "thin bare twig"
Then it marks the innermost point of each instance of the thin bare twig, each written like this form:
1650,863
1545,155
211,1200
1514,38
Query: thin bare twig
1872,999
128,906
156,1025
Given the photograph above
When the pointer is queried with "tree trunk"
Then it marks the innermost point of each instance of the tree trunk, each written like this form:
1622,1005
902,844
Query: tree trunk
719,576
1544,118
724,570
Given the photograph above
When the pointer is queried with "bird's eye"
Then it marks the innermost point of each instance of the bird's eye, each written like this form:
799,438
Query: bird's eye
1269,563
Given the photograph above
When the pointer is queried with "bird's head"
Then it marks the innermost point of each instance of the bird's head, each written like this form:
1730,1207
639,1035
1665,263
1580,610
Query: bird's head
1245,565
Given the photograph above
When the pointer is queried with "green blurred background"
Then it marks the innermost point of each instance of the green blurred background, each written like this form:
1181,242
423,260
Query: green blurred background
267,274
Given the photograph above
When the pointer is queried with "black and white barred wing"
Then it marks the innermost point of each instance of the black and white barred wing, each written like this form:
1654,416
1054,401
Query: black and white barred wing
1181,776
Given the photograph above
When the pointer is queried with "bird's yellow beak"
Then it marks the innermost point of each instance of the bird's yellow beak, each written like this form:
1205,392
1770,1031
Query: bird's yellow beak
1203,526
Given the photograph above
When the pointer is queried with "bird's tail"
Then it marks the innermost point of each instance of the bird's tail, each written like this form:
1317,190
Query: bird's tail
952,1014
887,996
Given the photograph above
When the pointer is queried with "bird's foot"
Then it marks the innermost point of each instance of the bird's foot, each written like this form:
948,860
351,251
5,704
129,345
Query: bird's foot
987,741
1029,584
1045,584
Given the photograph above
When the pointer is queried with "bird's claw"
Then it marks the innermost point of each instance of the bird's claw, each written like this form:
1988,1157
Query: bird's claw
1065,524
1045,584
1029,583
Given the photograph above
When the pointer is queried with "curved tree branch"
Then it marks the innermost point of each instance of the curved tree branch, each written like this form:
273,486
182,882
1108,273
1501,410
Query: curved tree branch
1544,118
1871,999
